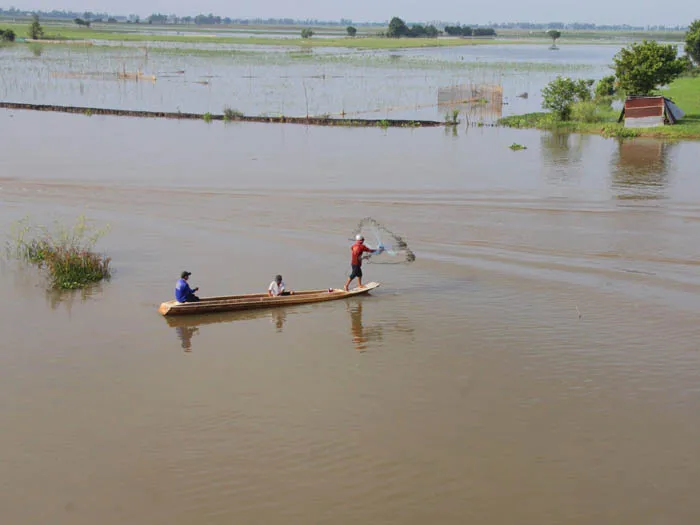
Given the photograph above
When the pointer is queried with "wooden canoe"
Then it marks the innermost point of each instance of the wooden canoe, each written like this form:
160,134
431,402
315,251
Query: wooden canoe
232,303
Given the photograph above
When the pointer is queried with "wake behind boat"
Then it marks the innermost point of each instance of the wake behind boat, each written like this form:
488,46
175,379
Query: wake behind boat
232,303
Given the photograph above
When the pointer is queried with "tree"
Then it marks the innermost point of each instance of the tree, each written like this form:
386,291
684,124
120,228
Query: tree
561,94
642,68
397,28
81,22
554,35
692,42
35,30
431,31
416,31
306,33
352,31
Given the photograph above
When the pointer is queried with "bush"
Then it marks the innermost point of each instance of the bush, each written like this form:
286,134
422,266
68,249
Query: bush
585,111
7,35
561,93
65,253
306,33
232,114
605,87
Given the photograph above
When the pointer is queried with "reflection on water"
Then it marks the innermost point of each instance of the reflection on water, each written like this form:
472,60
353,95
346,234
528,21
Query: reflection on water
185,333
279,316
186,327
361,334
68,298
640,168
562,149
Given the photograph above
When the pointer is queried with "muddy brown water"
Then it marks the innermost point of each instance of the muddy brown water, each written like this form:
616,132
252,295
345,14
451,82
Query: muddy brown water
538,363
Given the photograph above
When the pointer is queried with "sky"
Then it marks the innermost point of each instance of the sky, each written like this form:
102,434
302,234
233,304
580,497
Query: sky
638,12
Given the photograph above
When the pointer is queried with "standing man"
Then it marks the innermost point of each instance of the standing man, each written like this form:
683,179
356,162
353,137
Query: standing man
356,260
183,292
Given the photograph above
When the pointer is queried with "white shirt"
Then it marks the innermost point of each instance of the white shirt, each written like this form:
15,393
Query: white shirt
275,289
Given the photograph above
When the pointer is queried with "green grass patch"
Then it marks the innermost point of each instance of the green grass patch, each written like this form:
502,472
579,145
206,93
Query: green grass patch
685,92
66,254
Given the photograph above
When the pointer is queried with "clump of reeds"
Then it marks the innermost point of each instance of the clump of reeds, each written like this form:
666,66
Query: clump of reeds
231,114
66,254
452,119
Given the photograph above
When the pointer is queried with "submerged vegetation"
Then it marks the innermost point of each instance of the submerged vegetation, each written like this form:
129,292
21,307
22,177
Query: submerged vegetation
66,254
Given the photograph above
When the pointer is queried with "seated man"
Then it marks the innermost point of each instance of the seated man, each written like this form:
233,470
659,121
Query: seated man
277,288
183,292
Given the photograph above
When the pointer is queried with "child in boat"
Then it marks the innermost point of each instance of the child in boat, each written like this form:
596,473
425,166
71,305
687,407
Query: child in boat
277,288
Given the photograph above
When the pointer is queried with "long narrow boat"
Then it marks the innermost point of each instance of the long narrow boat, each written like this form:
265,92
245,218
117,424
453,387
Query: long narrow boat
233,303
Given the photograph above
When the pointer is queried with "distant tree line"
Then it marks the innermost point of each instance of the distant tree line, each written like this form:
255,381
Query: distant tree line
55,13
158,18
468,31
398,29
576,26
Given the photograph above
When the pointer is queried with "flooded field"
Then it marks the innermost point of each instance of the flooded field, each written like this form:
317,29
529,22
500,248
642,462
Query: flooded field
541,350
200,78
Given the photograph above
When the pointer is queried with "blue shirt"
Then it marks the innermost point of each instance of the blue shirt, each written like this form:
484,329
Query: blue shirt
182,291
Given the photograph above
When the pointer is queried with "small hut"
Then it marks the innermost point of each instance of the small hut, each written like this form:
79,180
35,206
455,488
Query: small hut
649,111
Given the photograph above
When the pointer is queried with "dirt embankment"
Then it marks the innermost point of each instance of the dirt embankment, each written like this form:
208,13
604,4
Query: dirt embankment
315,121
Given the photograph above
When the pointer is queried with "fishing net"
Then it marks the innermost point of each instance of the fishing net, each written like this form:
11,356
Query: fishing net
395,250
